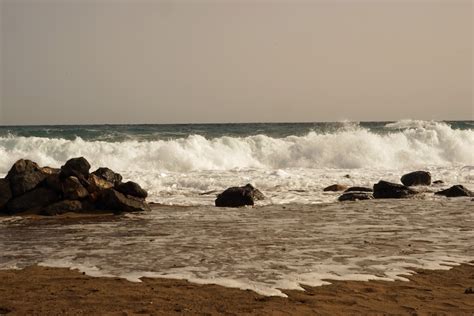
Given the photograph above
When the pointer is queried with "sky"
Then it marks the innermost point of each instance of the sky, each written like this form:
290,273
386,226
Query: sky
111,61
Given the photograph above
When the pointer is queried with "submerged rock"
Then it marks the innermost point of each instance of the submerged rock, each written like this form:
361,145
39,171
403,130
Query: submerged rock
5,193
34,199
112,200
108,175
77,167
416,178
355,196
359,189
25,175
239,196
455,191
388,190
131,188
335,188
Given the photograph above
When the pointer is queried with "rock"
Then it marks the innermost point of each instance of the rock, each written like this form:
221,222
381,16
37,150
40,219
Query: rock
335,187
62,207
355,196
108,175
113,200
73,189
97,183
131,188
49,170
77,167
416,178
239,196
469,290
359,189
25,175
54,182
36,198
438,182
348,176
455,191
5,193
388,190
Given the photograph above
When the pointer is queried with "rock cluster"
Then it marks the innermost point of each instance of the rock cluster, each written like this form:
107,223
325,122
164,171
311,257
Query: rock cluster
48,191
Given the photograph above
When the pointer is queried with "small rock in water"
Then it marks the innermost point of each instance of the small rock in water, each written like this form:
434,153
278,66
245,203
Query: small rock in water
388,190
359,189
355,196
335,188
416,178
239,196
469,290
455,191
438,182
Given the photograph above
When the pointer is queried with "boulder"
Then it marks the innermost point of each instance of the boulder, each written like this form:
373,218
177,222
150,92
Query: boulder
239,196
73,189
97,184
355,196
416,178
62,207
37,198
54,182
335,188
108,175
359,189
455,191
113,200
388,190
5,193
131,188
77,167
25,175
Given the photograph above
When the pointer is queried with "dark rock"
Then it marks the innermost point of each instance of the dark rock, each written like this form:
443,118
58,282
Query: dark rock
54,182
73,189
97,184
5,193
438,182
456,191
108,175
469,290
49,170
388,190
355,196
359,189
416,178
25,175
77,167
239,196
113,200
348,176
335,187
131,188
36,198
62,207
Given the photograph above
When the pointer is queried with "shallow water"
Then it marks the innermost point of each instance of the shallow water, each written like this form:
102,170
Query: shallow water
262,248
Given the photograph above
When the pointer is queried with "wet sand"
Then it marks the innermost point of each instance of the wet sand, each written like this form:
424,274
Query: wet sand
58,291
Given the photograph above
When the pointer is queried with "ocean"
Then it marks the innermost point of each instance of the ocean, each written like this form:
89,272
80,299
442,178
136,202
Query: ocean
187,164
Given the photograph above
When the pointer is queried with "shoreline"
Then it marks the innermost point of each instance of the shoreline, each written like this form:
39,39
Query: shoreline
39,290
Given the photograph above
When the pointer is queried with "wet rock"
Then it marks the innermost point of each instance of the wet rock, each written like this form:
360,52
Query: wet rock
355,196
77,167
25,175
73,189
335,188
455,191
438,182
97,184
5,193
131,188
62,207
359,189
113,200
239,196
416,178
36,198
108,175
388,190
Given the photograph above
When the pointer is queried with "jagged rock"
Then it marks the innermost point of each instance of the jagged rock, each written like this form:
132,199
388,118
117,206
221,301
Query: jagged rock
335,188
108,175
456,191
131,188
25,175
97,184
113,200
77,167
355,196
359,189
239,196
73,189
62,207
5,193
388,190
36,198
416,178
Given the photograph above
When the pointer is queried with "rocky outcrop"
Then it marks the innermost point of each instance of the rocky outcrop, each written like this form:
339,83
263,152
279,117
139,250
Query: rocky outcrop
239,196
111,199
359,189
416,178
355,196
388,190
131,188
335,188
455,191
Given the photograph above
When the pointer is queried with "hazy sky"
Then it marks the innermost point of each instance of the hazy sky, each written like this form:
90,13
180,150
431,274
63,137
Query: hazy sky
106,61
